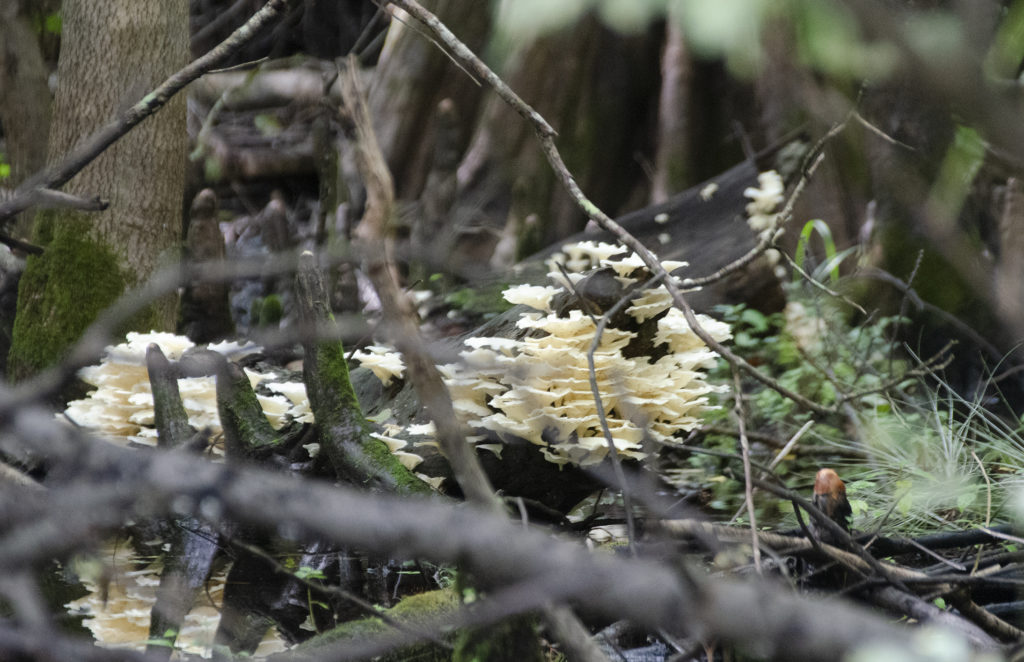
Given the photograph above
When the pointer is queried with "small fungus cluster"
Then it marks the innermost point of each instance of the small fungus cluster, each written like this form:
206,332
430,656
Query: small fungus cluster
122,592
383,362
763,201
121,407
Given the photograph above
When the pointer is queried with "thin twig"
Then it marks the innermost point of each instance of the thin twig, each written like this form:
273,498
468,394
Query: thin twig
766,239
922,305
1003,536
821,286
808,535
748,484
814,157
613,452
790,444
881,134
775,461
988,489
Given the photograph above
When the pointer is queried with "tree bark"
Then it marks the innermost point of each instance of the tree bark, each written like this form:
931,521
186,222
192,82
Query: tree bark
672,144
113,53
412,78
24,96
25,100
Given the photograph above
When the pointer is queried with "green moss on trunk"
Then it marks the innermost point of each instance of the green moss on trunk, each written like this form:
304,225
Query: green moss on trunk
247,432
344,433
63,290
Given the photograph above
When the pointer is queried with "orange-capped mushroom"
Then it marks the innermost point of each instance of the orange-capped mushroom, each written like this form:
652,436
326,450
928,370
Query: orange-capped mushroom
830,498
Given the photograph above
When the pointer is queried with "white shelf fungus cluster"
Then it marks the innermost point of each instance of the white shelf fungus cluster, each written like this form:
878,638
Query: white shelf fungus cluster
383,362
538,388
121,597
121,407
763,201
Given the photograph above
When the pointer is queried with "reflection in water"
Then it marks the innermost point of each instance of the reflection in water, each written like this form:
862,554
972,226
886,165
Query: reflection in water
122,619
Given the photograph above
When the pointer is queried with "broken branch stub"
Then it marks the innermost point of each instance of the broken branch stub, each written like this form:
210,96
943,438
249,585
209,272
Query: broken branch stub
342,430
169,414
193,544
247,432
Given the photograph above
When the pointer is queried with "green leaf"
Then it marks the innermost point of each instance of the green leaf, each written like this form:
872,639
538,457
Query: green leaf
744,339
755,318
825,232
1008,48
964,499
306,572
167,640
959,167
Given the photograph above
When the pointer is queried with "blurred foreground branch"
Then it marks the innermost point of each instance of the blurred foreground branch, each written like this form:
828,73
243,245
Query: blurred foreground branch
104,485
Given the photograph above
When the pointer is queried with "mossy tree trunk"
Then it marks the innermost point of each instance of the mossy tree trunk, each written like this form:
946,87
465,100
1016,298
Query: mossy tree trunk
112,54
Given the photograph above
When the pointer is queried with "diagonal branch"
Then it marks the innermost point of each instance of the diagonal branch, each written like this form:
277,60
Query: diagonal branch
399,318
647,592
546,135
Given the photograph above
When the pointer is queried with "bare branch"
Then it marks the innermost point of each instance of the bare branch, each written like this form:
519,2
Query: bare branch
402,325
399,317
160,483
748,485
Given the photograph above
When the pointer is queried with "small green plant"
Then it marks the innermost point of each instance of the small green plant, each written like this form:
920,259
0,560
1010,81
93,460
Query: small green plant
833,258
166,641
307,573
812,349
939,460
929,458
